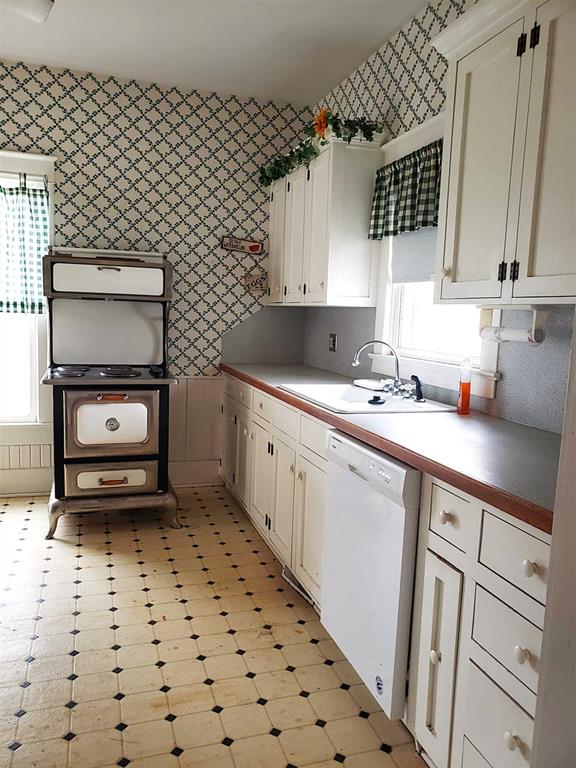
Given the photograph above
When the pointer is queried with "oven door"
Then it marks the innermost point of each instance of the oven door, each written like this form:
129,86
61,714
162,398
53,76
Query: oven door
110,423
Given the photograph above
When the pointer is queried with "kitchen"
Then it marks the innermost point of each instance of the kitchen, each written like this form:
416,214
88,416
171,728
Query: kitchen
305,572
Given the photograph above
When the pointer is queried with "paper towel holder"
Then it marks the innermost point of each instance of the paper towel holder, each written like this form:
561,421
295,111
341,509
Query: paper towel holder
534,335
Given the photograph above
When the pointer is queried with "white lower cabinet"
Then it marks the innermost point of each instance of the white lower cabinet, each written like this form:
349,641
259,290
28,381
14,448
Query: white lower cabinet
309,525
282,510
261,496
477,628
437,658
228,468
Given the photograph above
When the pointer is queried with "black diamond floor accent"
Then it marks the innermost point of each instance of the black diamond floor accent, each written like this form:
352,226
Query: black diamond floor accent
338,758
304,694
227,741
320,723
208,681
170,718
115,647
20,713
176,751
250,675
14,745
165,688
69,736
345,687
275,732
123,762
72,677
201,658
290,669
119,696
117,670
217,709
386,748
121,727
262,702
328,662
363,714
71,704
155,642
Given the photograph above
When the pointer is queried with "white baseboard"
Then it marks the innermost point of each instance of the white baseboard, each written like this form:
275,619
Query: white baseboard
25,482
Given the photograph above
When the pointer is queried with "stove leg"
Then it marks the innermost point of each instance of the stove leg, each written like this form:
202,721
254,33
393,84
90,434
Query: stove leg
172,509
55,512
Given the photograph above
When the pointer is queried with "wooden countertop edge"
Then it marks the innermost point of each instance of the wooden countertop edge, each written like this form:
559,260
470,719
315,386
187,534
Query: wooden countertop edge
524,510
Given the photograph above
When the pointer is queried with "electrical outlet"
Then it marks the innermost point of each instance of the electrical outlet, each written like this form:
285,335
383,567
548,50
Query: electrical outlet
332,342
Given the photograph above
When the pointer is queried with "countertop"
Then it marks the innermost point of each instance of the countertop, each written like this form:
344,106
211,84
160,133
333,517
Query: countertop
507,465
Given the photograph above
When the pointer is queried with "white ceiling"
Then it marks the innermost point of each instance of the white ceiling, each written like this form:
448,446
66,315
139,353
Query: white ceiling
284,50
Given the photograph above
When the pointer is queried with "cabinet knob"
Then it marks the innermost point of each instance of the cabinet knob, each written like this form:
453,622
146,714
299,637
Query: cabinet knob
435,657
252,436
261,405
511,740
321,284
445,272
529,568
300,475
245,433
521,654
445,517
242,395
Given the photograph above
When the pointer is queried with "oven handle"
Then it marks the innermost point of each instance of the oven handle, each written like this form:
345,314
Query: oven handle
119,481
112,269
112,398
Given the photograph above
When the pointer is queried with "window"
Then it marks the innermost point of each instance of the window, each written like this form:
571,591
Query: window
25,231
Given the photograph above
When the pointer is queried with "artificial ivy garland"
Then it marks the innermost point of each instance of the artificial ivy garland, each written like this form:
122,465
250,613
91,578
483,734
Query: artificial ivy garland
303,154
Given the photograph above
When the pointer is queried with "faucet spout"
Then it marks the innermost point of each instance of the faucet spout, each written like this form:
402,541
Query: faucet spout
356,358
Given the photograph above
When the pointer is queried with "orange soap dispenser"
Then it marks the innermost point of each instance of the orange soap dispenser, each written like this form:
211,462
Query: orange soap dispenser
464,393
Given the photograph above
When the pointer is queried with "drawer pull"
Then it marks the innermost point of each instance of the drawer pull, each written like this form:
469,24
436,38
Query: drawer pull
116,481
112,398
251,435
511,740
110,269
261,405
435,657
292,468
529,568
445,517
521,654
300,475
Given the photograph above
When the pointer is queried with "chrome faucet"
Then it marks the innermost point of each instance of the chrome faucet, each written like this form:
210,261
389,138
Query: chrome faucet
356,358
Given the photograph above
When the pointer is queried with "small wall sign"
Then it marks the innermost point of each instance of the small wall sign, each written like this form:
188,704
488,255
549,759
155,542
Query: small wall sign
256,282
230,243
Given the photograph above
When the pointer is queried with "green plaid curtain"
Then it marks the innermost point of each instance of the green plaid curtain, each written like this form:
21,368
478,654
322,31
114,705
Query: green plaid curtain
406,193
23,242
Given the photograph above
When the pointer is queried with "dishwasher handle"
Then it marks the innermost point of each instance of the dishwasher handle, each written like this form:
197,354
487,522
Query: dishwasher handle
359,474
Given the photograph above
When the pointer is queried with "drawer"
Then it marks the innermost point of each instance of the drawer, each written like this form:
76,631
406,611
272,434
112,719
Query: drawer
495,725
110,423
286,419
231,386
313,436
262,405
515,555
244,394
107,278
451,517
471,758
110,479
508,637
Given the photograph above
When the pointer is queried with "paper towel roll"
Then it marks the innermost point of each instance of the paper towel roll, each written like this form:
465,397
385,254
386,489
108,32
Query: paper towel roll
495,333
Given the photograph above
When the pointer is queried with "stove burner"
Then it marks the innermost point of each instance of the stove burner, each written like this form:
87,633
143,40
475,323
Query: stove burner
70,371
120,373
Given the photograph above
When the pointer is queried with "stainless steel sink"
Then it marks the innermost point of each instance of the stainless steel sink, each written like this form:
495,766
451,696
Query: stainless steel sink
346,398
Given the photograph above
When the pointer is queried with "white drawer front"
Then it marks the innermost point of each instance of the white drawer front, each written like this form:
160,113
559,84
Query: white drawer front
111,423
92,278
286,419
231,386
313,436
451,517
515,555
129,478
471,758
508,637
110,479
262,405
499,729
244,394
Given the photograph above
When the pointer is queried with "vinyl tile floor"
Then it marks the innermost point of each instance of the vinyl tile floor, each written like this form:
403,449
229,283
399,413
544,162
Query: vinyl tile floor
124,642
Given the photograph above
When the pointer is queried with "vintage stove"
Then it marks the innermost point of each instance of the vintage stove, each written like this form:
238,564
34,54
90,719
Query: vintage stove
108,324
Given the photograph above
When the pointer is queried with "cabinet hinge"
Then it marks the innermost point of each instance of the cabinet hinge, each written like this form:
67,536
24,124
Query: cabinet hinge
288,185
304,289
521,46
233,477
502,270
265,521
514,270
268,449
269,523
235,419
285,290
221,409
268,291
271,197
534,35
308,174
271,449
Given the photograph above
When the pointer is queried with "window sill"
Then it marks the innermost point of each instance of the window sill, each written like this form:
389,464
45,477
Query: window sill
437,374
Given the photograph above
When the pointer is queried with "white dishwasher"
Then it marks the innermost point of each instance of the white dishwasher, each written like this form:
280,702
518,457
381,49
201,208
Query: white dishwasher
368,563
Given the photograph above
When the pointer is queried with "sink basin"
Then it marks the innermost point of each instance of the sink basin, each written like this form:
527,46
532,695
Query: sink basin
346,398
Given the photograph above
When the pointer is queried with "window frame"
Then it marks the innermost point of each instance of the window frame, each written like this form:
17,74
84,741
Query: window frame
38,168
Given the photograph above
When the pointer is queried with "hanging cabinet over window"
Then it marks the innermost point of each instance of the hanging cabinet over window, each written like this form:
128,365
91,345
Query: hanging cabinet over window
319,217
508,205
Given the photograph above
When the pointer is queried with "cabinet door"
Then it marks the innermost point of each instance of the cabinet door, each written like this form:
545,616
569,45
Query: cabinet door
243,458
276,242
280,527
294,240
262,478
480,177
316,230
309,525
230,437
547,231
437,657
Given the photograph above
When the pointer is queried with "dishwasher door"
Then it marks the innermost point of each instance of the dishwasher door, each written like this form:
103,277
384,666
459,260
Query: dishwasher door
369,558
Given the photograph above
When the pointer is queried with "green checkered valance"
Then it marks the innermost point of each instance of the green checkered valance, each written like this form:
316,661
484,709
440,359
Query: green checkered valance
24,233
406,193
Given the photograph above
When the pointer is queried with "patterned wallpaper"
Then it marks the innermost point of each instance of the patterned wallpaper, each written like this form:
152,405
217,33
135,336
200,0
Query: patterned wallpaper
145,168
401,83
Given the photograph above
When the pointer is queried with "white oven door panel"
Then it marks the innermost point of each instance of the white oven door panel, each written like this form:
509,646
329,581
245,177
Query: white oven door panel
92,278
107,332
111,423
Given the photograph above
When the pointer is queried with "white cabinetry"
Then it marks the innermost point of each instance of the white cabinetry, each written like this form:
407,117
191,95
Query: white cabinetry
280,523
276,241
309,525
261,496
507,222
327,257
477,630
237,453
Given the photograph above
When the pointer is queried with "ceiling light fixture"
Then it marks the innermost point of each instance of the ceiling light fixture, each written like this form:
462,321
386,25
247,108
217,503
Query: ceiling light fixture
35,10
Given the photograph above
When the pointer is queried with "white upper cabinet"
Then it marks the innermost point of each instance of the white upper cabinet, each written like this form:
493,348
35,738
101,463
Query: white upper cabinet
327,257
507,214
276,242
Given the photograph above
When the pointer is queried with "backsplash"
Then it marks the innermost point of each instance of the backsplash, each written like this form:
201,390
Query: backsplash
145,168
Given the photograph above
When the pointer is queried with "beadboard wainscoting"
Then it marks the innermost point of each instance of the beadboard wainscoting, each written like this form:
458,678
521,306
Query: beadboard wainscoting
25,459
195,430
